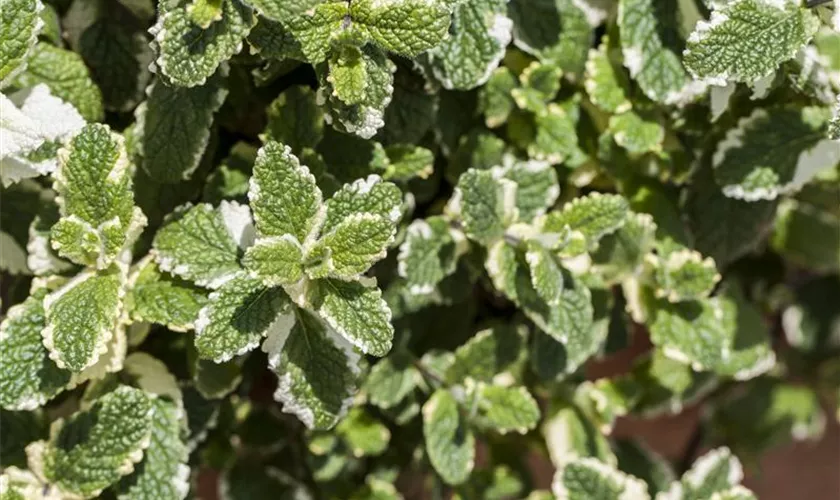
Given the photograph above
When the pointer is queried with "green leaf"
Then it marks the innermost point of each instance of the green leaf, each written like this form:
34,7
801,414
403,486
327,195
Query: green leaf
479,35
537,187
486,205
367,116
486,354
450,443
238,315
774,151
808,235
156,297
163,473
590,478
407,162
364,435
205,12
556,137
202,244
428,254
405,27
355,244
594,215
317,370
348,74
555,31
295,119
65,73
507,409
723,334
117,52
216,380
315,28
715,472
479,149
81,318
683,274
391,380
635,134
620,255
494,98
364,196
28,377
282,10
546,273
357,312
604,82
724,48
650,44
93,448
284,195
635,458
173,127
187,54
276,260
19,27
95,197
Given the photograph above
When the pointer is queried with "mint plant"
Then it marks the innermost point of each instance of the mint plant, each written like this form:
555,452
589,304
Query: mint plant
378,248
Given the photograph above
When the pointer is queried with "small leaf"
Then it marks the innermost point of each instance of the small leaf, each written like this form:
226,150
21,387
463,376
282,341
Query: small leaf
554,31
364,435
556,137
187,54
391,380
715,472
317,370
546,274
358,313
604,82
93,448
591,478
295,119
486,204
537,187
356,244
724,48
155,297
19,28
405,27
507,409
428,255
348,74
486,354
364,196
494,98
236,318
173,127
467,58
635,134
277,260
450,443
406,162
284,195
594,215
684,275
202,244
81,318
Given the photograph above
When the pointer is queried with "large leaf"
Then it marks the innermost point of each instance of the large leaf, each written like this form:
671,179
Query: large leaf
450,443
591,478
19,27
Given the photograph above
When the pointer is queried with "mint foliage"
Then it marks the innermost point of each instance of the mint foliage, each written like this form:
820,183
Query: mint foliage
386,248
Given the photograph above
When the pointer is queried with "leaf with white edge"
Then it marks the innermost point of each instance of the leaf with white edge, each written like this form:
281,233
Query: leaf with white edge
507,409
357,312
774,151
450,443
347,74
635,134
391,380
202,244
281,10
314,29
406,162
276,260
65,73
683,275
594,215
159,298
735,493
28,377
494,98
589,478
650,44
355,244
187,54
238,315
295,119
173,127
152,376
284,195
570,432
604,82
205,12
481,32
636,458
317,370
92,449
428,254
721,334
19,27
367,116
365,435
81,318
537,187
715,472
163,472
620,255
724,48
542,80
486,205
546,273
488,353
555,31
556,137
95,197
364,196
404,27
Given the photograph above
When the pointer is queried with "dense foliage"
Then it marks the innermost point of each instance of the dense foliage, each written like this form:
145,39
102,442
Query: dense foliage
371,248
